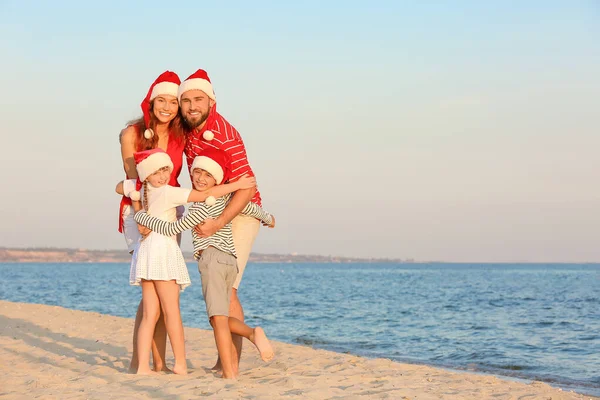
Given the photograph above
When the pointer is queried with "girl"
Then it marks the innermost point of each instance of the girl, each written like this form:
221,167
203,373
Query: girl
157,263
158,127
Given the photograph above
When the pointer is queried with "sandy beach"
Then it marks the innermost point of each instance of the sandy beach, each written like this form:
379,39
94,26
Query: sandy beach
51,352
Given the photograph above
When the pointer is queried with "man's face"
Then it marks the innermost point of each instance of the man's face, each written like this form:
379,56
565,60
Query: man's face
195,105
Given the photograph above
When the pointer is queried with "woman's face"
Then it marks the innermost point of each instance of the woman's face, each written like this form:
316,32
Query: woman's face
165,108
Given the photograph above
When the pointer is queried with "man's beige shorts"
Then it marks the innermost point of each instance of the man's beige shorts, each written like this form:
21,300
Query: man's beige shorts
218,271
245,230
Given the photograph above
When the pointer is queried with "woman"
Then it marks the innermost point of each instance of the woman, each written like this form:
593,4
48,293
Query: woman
159,127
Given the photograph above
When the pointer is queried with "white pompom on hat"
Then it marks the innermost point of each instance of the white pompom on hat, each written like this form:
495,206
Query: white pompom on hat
210,201
135,195
208,135
148,162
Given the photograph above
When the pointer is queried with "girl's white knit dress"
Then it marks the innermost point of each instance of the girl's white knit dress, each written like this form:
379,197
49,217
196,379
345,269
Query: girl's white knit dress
158,257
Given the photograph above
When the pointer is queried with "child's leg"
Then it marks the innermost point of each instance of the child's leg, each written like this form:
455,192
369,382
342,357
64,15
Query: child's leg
150,314
224,344
159,342
168,292
133,366
257,336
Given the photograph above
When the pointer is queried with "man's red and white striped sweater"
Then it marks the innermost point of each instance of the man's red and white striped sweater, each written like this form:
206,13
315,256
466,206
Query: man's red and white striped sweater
227,138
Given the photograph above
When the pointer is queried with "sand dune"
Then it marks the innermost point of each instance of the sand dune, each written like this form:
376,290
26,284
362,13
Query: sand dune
53,352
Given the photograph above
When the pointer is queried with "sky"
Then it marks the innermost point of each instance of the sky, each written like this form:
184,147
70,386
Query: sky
457,131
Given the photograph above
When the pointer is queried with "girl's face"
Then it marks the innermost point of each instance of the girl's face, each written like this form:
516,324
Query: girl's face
165,108
160,177
202,180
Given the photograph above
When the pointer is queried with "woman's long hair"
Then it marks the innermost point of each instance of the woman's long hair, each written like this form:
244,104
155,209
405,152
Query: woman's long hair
175,130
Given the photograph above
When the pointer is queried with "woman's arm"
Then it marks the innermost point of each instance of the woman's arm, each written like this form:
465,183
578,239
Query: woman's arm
119,188
194,217
245,182
127,138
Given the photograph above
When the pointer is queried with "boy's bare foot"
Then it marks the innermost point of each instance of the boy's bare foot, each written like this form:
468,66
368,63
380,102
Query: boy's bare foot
180,369
262,343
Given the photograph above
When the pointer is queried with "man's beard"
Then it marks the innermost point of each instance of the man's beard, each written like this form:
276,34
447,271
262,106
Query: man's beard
190,125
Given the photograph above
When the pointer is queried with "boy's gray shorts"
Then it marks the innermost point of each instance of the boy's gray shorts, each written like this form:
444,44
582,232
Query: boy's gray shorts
218,271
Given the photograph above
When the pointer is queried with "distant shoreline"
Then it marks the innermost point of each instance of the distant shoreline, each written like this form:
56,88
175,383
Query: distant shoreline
66,255
49,255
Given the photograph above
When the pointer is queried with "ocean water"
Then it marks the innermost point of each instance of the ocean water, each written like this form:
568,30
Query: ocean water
530,321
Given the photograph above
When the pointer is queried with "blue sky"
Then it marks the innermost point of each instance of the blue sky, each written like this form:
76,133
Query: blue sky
462,132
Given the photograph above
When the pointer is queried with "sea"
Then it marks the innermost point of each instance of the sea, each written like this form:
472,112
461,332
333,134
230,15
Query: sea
521,321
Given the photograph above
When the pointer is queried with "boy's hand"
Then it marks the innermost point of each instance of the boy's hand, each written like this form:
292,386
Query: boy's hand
272,224
246,182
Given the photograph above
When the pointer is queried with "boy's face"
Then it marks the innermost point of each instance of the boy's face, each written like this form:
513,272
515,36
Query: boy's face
202,180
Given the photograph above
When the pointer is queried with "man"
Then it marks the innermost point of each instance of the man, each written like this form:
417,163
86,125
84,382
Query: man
207,128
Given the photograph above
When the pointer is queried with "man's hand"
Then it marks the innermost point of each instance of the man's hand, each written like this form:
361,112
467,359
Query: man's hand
144,231
208,228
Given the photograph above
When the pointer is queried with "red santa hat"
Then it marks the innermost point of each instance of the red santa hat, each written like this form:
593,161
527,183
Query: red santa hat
148,162
166,83
214,161
199,80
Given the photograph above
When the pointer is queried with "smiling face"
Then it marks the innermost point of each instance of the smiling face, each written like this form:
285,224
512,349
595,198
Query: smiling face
202,180
195,105
160,177
165,108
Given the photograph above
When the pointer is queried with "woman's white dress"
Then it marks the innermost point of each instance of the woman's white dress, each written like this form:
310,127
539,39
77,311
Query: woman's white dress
158,257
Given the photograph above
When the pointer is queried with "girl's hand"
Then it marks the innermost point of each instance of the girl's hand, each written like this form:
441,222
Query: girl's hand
272,224
246,182
144,231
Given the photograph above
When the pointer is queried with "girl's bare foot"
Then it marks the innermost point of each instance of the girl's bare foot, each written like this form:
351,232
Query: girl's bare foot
262,343
180,369
145,371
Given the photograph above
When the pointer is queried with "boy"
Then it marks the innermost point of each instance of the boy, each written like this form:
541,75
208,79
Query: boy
216,256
